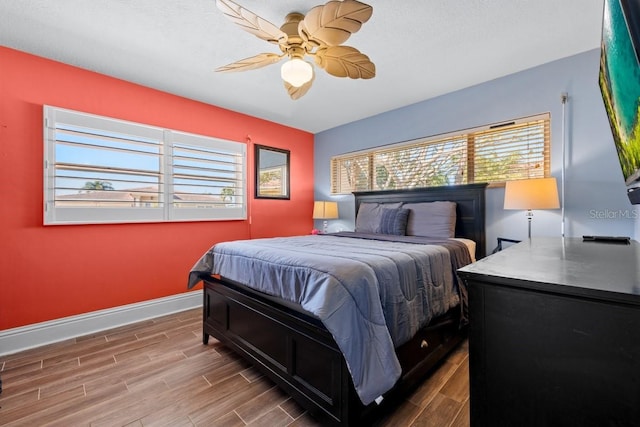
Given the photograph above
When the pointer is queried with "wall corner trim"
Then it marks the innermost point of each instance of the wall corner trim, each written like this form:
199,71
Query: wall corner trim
39,334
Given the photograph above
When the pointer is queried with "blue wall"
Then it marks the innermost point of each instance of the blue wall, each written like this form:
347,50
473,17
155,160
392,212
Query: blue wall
595,197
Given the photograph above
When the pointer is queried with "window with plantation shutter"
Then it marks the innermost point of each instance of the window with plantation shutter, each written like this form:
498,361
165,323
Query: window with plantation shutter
102,170
206,175
495,153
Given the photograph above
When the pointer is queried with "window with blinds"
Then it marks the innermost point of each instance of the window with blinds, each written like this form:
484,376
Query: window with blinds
495,153
103,170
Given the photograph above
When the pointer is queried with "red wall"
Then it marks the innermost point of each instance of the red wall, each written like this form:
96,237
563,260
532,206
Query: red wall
56,271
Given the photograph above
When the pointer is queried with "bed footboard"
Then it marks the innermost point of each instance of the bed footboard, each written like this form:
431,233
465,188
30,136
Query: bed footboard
299,354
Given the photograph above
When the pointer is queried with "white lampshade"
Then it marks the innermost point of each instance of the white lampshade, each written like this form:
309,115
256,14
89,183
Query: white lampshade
537,193
325,210
296,72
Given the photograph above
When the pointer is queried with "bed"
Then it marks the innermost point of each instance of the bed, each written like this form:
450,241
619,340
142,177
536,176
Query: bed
345,376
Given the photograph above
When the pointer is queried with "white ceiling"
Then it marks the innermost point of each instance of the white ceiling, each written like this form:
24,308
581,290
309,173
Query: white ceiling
421,48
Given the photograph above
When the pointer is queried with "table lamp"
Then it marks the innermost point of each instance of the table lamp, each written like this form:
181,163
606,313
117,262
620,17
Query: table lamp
529,194
325,210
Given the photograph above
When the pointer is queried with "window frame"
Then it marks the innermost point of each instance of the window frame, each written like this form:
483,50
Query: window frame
366,159
169,141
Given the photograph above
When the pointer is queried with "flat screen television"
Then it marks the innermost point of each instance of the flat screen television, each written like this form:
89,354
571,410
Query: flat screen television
619,81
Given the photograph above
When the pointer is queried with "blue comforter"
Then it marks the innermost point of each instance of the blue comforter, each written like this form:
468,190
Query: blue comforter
371,292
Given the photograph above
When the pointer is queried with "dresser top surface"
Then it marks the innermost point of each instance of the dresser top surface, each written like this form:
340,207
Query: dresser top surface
579,267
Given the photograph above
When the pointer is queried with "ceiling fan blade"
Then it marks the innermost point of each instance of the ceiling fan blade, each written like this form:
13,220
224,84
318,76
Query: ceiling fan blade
251,22
299,92
258,61
345,61
333,23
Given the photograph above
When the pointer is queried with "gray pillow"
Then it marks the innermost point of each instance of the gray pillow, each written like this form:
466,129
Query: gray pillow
394,221
370,214
431,219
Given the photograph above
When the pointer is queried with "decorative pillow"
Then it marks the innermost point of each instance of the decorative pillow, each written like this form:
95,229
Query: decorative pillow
431,219
369,215
394,221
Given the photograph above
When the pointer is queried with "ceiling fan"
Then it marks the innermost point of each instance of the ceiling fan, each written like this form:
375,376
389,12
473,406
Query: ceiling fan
319,34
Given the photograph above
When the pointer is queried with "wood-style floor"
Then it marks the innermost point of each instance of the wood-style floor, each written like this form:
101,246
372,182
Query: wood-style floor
158,373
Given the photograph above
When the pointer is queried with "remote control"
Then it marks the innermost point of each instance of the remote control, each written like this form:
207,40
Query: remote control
614,239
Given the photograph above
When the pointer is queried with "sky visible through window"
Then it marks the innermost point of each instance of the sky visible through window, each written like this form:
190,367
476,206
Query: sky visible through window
105,170
89,159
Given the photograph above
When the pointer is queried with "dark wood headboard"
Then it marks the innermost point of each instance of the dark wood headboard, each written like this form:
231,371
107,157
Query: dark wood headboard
470,206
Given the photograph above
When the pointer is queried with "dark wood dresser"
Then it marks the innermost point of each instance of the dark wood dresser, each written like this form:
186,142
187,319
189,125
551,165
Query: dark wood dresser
555,334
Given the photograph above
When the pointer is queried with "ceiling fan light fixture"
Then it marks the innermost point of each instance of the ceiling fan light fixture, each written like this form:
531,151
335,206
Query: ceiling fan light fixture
296,72
319,34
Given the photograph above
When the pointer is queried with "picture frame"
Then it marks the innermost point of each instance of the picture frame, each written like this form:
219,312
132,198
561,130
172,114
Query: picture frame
272,173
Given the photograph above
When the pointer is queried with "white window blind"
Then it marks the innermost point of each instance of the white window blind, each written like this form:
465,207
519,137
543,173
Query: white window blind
493,153
99,169
351,173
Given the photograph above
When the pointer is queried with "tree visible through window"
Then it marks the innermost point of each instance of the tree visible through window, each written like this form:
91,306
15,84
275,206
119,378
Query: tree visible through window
98,185
493,154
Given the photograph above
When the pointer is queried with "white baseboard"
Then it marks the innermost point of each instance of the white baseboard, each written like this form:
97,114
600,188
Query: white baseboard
38,334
